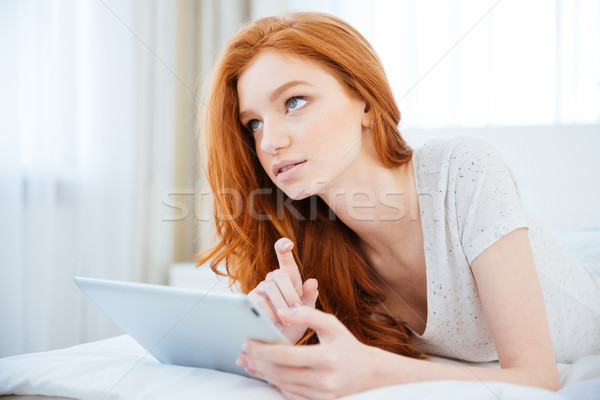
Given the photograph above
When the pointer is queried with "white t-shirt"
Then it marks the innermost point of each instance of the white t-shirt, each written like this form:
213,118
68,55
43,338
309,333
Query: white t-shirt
468,199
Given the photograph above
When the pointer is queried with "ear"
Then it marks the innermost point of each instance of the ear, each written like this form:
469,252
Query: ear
367,116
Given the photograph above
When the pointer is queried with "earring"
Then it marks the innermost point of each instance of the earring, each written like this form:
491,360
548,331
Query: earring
372,124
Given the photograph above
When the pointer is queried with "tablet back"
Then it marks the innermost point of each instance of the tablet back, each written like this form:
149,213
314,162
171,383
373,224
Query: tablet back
183,326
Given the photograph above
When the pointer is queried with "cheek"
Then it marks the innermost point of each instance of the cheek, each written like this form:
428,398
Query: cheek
342,129
313,133
323,129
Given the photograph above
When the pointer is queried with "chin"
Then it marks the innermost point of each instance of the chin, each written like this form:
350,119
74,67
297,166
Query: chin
297,193
301,188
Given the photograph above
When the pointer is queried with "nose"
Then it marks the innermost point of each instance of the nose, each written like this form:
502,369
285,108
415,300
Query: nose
274,136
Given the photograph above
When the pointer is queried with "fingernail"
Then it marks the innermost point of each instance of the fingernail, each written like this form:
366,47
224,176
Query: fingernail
245,347
241,362
285,245
296,305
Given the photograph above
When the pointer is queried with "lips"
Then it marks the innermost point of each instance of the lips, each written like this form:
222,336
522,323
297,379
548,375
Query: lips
284,170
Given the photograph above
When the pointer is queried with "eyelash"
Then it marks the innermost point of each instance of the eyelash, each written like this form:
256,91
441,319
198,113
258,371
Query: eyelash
286,103
247,126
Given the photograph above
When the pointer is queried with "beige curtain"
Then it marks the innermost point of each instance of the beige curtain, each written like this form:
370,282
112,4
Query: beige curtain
178,45
203,29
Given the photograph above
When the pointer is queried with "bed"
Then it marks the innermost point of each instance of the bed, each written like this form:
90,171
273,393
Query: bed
119,368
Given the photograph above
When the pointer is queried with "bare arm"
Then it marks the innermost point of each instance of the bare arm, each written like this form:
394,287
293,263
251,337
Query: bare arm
340,365
513,305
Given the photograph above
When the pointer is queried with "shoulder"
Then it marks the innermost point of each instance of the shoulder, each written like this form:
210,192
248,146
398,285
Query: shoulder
440,154
462,166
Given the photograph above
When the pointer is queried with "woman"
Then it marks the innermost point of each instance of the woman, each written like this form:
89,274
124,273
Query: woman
381,253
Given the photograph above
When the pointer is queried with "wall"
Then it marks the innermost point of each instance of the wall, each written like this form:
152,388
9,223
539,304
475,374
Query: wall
557,168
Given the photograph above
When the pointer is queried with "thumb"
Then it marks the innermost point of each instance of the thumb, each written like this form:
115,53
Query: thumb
327,326
310,292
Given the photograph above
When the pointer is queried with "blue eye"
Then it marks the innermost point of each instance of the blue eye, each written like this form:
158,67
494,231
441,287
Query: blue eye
295,103
254,125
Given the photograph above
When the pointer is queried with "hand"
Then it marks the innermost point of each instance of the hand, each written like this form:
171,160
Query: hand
283,289
340,365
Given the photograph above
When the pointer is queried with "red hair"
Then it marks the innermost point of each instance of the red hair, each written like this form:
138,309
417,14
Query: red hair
325,248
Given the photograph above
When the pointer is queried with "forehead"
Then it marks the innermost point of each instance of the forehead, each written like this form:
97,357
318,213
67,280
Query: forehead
268,57
271,68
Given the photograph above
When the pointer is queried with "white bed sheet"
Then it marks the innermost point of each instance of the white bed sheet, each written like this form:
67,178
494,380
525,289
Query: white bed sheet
119,368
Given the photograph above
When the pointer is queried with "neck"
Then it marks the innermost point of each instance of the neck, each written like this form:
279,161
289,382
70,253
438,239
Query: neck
376,202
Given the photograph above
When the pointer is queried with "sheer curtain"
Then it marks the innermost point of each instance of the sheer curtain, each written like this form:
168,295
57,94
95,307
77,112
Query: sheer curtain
86,144
478,63
98,109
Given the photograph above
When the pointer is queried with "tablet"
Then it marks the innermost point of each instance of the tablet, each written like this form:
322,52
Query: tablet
183,326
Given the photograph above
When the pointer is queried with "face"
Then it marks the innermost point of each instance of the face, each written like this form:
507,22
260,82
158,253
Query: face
307,128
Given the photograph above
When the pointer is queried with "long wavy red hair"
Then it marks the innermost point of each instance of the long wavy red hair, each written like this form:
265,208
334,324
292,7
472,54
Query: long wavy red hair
325,248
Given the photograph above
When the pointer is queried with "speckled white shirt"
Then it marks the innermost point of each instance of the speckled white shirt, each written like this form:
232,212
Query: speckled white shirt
468,199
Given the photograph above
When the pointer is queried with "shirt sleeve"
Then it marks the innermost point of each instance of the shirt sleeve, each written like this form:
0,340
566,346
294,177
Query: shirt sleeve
488,204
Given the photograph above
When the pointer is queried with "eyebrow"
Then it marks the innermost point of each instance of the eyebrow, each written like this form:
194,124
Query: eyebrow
284,87
277,92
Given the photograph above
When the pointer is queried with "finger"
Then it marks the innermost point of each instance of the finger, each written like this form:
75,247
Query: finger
284,282
266,308
283,249
326,325
283,355
294,390
313,381
271,291
282,375
310,293
291,378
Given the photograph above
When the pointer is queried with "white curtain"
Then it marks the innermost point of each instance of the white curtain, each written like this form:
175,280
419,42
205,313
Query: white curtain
98,106
86,152
497,63
479,63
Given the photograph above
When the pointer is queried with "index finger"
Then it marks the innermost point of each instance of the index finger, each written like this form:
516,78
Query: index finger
283,249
